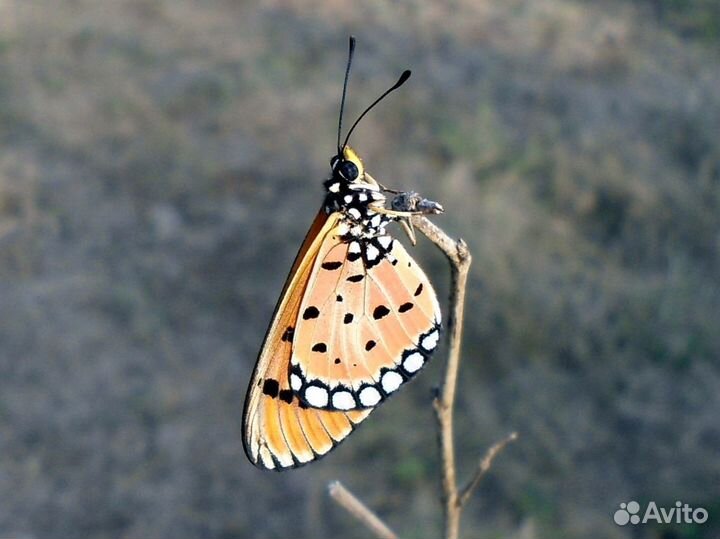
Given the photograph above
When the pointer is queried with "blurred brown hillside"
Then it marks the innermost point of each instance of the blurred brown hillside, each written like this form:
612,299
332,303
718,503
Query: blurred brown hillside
161,161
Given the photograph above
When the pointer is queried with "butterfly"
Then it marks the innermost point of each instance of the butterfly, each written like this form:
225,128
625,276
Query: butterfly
356,319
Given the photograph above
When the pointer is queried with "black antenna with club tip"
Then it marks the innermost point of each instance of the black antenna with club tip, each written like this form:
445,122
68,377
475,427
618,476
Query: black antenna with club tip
345,84
404,77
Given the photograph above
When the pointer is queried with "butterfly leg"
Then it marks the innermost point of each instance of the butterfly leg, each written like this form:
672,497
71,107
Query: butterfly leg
409,230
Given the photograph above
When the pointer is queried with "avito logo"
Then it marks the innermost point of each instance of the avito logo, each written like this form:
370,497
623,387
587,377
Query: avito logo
629,513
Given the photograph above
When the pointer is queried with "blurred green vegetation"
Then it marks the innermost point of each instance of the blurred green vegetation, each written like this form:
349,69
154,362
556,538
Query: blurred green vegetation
690,18
161,161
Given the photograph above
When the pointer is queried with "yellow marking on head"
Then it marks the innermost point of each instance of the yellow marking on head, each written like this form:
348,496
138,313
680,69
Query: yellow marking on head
350,155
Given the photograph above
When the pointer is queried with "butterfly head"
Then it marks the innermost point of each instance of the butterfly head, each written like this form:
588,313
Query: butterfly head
347,167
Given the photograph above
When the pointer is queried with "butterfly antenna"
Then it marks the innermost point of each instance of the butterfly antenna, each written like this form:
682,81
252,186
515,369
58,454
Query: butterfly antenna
404,77
345,84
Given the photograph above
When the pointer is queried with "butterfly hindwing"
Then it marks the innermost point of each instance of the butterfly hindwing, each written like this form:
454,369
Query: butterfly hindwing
368,322
280,431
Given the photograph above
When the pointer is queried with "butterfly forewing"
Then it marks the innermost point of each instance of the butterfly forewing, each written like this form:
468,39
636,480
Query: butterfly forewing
279,431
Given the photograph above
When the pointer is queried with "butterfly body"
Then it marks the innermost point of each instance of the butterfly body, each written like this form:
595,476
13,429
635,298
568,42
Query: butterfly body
356,319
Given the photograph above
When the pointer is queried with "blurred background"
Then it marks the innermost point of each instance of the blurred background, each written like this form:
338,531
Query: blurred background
161,161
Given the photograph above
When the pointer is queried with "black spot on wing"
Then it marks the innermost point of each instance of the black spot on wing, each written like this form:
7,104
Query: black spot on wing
337,360
419,289
348,318
356,278
380,311
288,335
319,347
311,312
352,257
405,307
271,388
370,345
339,298
286,395
331,265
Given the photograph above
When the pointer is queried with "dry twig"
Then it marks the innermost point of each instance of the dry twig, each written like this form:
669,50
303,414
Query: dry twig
359,510
483,467
453,499
459,257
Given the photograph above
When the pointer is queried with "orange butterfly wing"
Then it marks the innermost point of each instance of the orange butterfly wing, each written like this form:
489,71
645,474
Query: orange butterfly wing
367,323
279,431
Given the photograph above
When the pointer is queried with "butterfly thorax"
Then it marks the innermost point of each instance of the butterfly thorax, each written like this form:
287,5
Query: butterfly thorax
360,204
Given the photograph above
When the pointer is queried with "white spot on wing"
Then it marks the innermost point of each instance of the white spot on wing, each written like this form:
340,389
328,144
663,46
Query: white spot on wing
354,213
375,221
413,362
391,381
354,247
316,396
369,396
343,400
347,199
372,252
295,382
362,197
385,242
334,187
429,341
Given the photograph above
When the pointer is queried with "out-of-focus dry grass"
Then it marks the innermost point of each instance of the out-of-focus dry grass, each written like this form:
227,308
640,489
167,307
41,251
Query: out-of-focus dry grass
161,161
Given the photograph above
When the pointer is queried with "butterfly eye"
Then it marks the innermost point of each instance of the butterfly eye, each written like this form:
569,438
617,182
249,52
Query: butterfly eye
347,170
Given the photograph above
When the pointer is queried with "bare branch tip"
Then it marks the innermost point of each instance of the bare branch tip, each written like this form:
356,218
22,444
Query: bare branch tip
484,467
348,501
463,251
